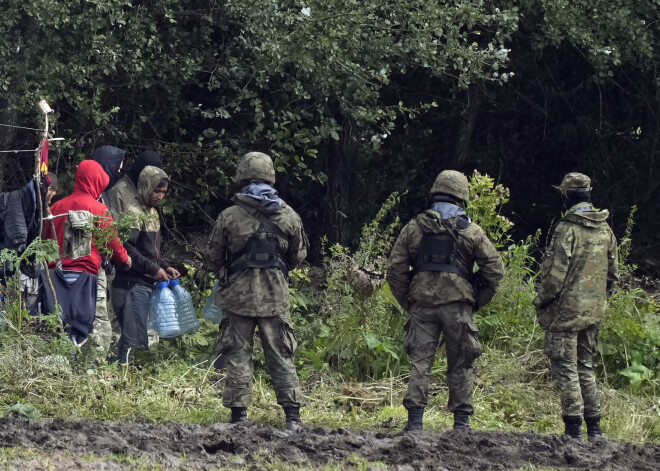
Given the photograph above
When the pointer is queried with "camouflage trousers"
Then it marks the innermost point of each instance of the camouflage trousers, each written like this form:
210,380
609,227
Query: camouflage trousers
571,357
101,335
236,345
455,322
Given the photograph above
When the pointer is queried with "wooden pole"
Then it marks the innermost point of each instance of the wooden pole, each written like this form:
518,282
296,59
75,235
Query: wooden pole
37,177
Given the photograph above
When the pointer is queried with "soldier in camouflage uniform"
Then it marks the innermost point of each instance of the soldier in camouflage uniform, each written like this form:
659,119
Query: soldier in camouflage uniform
253,245
430,274
579,268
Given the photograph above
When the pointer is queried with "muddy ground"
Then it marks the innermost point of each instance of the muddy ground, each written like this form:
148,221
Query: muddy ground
68,445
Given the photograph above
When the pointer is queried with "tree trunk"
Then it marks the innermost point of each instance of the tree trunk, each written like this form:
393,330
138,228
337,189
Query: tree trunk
461,152
339,170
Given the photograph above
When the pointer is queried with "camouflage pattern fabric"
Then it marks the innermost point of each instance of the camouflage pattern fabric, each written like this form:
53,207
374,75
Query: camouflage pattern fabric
435,289
451,182
255,165
423,331
571,363
575,181
581,258
236,345
102,332
254,292
442,302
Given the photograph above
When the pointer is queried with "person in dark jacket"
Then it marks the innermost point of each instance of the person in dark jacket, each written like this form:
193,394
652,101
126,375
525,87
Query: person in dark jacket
132,289
112,160
124,192
121,196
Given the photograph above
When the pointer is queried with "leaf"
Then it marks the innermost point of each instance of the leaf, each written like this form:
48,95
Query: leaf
314,358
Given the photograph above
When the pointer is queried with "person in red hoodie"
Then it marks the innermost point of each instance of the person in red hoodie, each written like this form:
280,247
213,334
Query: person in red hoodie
78,249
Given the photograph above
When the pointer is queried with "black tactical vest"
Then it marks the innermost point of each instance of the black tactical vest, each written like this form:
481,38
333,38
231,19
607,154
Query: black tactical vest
262,250
437,251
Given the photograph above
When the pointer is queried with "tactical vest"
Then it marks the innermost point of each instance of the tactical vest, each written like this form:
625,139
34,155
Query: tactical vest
437,251
262,249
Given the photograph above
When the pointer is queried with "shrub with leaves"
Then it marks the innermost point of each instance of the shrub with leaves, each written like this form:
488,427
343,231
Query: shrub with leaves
484,207
357,331
38,252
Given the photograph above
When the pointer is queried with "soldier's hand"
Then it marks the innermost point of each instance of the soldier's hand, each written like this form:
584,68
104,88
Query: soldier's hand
161,275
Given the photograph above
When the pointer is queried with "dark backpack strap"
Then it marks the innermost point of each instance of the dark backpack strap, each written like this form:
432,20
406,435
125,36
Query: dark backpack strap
268,224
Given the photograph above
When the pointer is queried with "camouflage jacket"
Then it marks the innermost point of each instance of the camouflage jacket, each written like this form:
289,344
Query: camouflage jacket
254,292
581,258
432,288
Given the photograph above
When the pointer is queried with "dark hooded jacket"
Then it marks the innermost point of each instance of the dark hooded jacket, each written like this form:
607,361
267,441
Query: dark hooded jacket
19,217
143,244
122,194
581,258
110,158
90,182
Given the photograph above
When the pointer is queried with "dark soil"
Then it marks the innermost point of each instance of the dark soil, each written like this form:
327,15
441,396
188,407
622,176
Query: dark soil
252,446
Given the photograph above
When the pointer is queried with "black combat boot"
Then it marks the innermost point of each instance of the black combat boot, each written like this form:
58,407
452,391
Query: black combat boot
293,422
415,418
462,421
594,435
238,415
573,425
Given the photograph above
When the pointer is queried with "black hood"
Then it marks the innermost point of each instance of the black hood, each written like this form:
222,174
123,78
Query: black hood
110,158
145,158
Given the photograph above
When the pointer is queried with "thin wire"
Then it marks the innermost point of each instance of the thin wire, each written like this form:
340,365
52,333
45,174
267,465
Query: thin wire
19,127
31,150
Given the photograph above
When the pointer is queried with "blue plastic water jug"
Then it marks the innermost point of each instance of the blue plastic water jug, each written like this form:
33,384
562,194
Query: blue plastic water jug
188,320
163,316
212,312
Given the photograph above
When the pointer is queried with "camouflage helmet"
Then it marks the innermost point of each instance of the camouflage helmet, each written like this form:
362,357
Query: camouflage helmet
255,165
575,181
453,183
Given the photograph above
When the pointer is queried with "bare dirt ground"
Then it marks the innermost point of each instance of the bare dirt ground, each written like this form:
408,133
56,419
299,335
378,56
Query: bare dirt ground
69,445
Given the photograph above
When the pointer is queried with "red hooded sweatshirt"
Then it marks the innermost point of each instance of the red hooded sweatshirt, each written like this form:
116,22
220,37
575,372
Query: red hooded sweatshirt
91,180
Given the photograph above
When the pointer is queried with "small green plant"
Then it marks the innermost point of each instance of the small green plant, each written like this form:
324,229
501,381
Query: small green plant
38,252
629,339
484,208
626,270
104,230
509,320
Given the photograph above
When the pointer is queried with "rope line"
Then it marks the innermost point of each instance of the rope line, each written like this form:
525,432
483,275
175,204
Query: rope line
19,127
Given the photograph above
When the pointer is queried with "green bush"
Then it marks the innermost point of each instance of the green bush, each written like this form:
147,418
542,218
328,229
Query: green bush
629,340
355,325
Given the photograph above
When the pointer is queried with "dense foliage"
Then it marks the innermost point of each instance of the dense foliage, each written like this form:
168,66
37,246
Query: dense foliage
358,101
355,100
350,331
